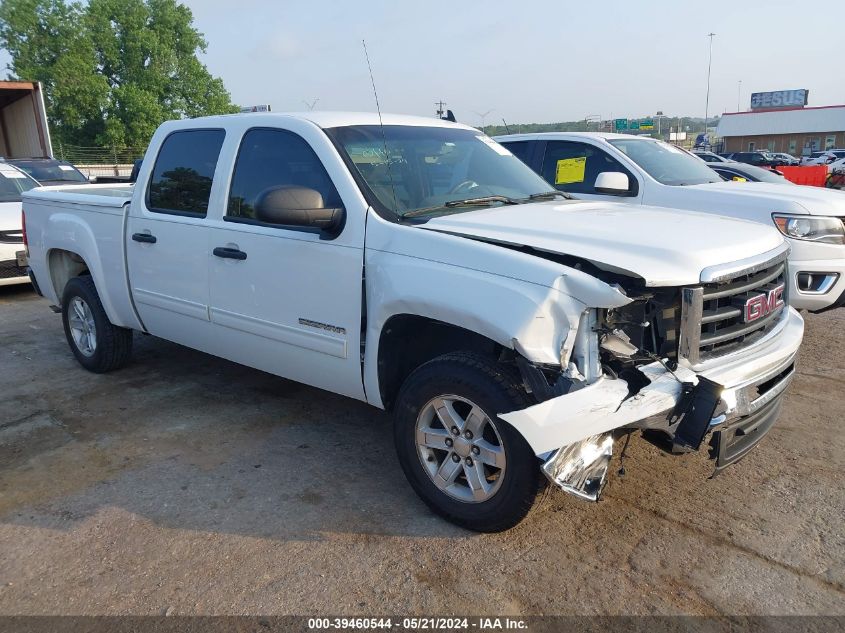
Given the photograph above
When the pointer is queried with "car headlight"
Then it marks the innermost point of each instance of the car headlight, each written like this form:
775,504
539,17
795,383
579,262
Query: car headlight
811,228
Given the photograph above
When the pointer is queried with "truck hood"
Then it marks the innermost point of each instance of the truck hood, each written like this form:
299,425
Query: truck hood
814,200
662,246
10,216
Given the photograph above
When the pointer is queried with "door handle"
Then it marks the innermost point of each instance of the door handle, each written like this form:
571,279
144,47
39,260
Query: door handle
229,253
144,237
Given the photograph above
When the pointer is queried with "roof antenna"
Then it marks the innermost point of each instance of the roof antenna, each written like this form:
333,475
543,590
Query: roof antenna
507,129
381,126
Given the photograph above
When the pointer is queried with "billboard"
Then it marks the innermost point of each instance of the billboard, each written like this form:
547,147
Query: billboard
779,99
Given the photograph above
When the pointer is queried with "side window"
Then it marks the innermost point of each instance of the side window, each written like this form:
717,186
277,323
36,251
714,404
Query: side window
522,150
269,159
183,172
573,167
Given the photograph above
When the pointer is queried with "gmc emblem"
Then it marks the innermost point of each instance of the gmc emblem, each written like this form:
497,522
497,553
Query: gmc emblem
761,305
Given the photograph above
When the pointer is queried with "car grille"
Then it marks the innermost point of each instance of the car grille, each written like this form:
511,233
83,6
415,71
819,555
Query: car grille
712,315
9,268
11,237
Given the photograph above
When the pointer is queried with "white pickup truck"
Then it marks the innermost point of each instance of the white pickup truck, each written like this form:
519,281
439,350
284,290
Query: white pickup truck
640,170
420,267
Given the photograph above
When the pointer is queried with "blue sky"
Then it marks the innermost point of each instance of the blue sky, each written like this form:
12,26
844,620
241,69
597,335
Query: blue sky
527,61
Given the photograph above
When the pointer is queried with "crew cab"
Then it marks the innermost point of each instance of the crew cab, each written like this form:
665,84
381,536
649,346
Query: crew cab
13,182
640,170
417,265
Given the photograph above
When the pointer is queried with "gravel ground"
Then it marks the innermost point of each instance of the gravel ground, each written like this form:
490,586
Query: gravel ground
185,484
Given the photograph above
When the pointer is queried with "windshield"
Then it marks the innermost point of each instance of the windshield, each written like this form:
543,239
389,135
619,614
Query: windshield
50,171
666,163
13,183
432,170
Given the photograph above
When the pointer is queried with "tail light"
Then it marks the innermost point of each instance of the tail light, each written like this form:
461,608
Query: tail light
23,231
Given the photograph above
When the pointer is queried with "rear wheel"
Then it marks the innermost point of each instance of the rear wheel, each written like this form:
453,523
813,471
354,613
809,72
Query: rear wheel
466,464
98,345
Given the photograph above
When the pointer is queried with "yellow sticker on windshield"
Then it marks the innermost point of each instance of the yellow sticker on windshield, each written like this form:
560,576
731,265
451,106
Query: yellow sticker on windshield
739,179
570,170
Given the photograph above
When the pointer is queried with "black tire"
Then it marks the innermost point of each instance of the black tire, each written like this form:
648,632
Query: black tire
494,389
113,344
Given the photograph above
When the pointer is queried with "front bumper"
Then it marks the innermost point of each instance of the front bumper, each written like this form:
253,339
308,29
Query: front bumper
826,281
751,378
12,269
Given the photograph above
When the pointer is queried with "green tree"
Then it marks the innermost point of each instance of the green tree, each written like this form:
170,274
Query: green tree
112,70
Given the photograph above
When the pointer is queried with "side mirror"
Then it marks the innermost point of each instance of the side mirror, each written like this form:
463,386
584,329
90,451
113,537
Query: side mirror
297,206
613,183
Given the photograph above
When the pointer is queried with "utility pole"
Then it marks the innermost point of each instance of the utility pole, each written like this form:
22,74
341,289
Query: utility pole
441,108
707,100
738,95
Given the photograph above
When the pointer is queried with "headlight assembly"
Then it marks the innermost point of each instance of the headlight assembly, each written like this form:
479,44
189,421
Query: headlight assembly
811,228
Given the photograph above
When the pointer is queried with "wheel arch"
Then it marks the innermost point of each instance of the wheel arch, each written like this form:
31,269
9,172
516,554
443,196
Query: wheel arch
407,341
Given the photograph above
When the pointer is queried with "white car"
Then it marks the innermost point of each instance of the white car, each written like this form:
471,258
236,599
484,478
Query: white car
639,170
823,158
418,266
13,267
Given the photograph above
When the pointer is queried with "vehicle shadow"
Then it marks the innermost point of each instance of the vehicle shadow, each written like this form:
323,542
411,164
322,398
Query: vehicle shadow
190,441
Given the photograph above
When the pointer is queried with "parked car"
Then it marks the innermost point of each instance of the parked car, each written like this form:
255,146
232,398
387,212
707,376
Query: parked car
823,158
785,159
761,159
732,170
420,267
710,157
639,171
13,267
50,171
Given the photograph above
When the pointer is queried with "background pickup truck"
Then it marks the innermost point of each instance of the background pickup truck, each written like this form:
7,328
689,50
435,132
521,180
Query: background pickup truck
419,266
640,170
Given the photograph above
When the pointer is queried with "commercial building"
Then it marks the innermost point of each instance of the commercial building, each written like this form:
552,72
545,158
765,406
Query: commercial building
797,131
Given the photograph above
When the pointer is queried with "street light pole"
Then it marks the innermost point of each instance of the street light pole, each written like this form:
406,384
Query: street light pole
738,95
707,100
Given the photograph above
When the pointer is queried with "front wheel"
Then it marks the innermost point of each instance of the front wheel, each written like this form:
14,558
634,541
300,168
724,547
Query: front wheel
98,345
463,461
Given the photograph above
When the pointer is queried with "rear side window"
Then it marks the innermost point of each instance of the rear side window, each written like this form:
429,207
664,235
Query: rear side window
521,149
271,158
183,172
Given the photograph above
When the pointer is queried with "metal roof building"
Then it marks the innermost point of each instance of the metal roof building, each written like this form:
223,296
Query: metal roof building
795,131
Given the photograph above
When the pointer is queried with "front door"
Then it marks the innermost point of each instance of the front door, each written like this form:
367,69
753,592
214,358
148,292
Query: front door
573,166
287,299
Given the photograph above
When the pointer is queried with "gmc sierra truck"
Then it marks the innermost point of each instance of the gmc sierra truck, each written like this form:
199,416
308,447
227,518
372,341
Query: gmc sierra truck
639,170
419,266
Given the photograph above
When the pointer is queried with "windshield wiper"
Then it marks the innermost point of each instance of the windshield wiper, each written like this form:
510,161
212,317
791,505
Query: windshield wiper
550,194
467,202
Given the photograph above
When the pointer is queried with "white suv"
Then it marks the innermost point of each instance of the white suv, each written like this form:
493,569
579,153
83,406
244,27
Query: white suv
13,182
645,171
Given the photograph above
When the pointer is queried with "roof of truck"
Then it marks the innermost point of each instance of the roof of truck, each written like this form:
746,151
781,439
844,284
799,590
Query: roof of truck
607,136
339,119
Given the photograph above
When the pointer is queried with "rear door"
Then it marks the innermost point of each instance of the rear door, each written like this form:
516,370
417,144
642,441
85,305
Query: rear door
288,299
167,238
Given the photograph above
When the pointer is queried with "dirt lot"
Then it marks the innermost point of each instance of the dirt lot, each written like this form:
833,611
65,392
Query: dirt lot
188,484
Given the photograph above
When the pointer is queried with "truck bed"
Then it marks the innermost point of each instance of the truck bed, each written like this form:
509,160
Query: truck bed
89,222
106,195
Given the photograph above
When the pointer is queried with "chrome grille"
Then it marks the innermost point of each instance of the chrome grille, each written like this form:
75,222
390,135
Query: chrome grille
712,315
11,237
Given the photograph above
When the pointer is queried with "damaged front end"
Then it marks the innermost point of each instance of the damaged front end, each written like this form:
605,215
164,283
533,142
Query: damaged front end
622,371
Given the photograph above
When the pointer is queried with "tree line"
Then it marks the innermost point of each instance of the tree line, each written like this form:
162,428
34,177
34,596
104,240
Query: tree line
112,70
